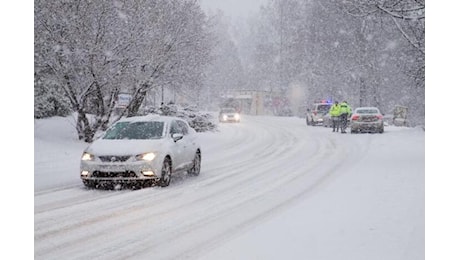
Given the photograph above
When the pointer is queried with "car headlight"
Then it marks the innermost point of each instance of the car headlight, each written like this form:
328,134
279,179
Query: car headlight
237,116
87,157
225,117
145,157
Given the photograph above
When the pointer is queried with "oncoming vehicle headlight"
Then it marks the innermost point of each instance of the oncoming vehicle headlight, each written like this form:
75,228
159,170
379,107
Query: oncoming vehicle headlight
87,157
237,116
145,157
225,117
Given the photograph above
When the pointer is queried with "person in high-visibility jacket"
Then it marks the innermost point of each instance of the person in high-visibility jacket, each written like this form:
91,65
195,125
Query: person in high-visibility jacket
345,112
334,112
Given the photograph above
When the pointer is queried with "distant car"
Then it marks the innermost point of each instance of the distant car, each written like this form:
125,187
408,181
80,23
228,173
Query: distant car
366,119
140,152
315,114
229,114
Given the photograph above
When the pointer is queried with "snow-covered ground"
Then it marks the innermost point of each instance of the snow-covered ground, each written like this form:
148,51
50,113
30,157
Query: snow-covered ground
270,188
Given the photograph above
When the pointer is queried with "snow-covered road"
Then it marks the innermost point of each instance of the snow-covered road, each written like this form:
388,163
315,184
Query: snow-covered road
251,172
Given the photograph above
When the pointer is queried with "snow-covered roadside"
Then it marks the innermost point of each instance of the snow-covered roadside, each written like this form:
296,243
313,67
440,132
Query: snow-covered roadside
270,188
373,210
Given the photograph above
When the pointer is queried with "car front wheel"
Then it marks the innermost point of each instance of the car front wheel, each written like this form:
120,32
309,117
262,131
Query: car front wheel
89,184
165,173
196,167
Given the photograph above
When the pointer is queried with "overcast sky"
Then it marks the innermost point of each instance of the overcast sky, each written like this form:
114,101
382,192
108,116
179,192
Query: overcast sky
233,8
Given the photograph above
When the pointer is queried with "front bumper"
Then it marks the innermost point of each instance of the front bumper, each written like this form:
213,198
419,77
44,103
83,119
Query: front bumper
230,120
119,172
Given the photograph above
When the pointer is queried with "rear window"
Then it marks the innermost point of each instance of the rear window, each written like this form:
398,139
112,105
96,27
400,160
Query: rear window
367,111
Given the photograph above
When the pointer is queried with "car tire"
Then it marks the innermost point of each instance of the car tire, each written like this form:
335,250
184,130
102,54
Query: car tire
196,167
308,122
89,184
148,183
166,172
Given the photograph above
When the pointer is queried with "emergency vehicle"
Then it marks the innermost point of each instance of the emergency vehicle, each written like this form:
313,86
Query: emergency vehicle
315,113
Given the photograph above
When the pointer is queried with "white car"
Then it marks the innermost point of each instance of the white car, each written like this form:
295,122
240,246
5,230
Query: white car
366,119
317,112
229,114
141,152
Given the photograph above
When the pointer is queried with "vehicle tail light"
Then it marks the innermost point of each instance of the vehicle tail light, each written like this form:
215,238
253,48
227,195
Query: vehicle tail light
355,117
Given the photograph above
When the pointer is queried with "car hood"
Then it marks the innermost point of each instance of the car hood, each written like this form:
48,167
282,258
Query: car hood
125,147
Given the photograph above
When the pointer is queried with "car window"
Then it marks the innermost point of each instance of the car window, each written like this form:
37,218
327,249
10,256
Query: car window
135,130
182,127
228,110
323,108
367,111
174,128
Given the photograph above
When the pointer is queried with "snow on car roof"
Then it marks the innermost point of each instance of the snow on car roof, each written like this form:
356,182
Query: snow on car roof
149,117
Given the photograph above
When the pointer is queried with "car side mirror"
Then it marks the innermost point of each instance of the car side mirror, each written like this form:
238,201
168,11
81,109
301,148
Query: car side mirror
176,137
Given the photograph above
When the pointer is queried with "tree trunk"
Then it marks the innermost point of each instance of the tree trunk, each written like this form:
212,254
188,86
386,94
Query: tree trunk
84,129
138,99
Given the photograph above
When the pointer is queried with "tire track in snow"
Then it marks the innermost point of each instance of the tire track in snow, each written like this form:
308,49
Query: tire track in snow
219,203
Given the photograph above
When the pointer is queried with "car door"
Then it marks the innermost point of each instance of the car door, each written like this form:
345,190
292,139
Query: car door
177,147
188,142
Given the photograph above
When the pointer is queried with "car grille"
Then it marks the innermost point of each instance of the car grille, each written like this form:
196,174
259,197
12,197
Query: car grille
114,158
125,174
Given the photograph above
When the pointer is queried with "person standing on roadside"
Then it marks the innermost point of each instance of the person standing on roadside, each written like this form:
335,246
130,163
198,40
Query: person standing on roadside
334,112
345,112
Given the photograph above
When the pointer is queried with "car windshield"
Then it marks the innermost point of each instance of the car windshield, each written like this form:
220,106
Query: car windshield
324,108
367,111
135,130
228,110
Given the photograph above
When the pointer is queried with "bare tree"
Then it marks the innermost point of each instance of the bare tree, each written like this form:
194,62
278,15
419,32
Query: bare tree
407,15
94,50
366,52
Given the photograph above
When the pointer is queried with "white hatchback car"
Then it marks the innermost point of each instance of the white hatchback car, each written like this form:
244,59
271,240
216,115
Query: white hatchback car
141,152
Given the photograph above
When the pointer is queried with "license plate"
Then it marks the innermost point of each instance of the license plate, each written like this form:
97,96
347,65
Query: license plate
112,167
